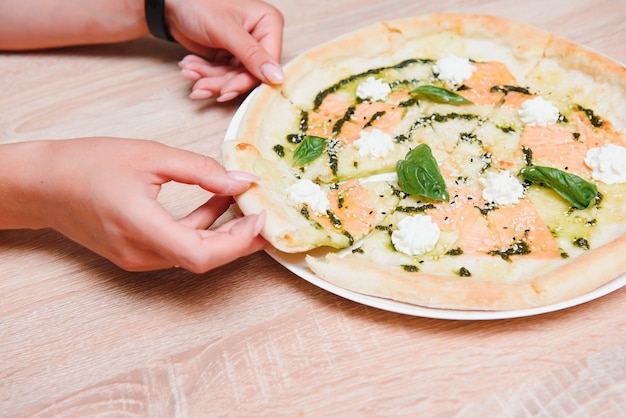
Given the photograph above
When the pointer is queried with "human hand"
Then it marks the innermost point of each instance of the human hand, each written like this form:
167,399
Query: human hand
102,193
240,42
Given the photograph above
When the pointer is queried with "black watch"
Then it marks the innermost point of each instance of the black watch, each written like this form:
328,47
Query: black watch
155,18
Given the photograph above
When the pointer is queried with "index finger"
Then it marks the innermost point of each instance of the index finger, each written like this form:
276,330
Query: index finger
191,168
258,50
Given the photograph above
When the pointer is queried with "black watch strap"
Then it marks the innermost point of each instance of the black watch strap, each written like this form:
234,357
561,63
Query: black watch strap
155,18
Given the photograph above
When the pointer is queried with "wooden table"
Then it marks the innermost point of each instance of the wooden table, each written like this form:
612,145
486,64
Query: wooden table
80,337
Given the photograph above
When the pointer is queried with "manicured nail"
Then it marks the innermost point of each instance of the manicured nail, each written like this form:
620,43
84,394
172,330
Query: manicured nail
224,97
184,61
243,176
273,73
200,94
260,221
190,75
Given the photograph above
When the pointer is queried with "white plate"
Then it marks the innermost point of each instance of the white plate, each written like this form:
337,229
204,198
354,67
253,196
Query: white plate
297,265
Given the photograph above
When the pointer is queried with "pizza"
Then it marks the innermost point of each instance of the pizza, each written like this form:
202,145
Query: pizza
445,160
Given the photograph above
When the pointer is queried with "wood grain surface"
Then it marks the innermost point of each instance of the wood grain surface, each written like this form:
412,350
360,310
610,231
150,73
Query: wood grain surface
80,337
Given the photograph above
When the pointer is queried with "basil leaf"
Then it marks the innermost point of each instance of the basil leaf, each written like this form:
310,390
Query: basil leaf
440,95
576,190
418,174
309,149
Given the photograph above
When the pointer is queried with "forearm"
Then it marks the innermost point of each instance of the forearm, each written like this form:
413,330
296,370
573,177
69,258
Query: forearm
35,24
22,185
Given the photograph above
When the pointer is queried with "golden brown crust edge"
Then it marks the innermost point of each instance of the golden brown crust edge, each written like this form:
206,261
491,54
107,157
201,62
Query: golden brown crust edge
584,274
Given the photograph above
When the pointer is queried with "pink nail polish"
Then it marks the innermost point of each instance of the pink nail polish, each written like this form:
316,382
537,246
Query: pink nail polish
273,73
190,75
200,94
224,97
243,176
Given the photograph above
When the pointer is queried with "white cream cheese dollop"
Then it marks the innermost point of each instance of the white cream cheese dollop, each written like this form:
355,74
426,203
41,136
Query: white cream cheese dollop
453,70
373,89
416,235
538,111
374,143
306,191
608,163
501,188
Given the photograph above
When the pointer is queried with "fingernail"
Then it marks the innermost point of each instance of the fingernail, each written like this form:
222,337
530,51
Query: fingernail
201,94
183,61
260,221
224,97
273,73
243,176
190,75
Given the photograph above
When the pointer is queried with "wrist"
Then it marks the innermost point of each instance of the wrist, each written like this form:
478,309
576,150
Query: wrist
22,185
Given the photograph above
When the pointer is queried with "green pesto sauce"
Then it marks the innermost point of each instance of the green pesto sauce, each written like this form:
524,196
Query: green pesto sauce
346,117
279,150
374,118
334,219
341,200
528,155
506,89
415,209
319,98
304,211
595,120
387,228
507,129
437,117
455,251
401,138
471,138
581,243
489,206
349,236
519,247
463,272
333,162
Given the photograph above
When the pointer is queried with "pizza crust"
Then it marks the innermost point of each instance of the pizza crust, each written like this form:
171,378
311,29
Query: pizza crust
582,275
